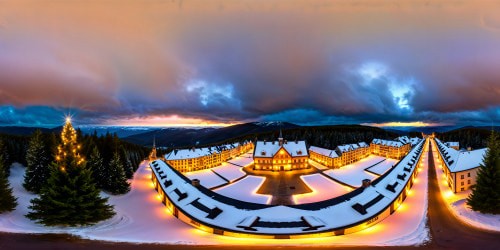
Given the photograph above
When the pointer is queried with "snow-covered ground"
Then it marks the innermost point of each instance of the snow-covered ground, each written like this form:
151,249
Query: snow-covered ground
353,174
141,217
323,189
457,202
241,161
383,167
318,165
229,171
207,178
246,190
249,154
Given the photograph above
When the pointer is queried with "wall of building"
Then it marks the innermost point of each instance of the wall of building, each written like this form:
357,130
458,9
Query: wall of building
209,161
391,208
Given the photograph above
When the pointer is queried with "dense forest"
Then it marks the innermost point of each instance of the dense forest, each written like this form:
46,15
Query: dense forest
324,136
467,137
130,154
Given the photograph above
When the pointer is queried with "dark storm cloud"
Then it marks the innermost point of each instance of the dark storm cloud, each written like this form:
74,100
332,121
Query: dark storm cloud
321,62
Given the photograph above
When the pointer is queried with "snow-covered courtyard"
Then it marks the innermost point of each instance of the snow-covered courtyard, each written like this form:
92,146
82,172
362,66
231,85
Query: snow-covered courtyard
246,190
323,189
207,178
457,202
241,161
353,174
383,166
141,217
229,171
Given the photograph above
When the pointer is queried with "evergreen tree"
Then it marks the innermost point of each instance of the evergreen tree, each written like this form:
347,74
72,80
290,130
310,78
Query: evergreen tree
38,170
7,200
4,159
96,165
70,196
485,196
116,180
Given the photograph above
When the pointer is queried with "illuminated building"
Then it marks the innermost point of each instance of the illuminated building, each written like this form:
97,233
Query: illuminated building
342,155
459,166
214,213
280,155
389,148
187,160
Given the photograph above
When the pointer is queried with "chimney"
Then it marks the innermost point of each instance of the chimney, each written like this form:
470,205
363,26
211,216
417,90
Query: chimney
195,182
264,142
285,141
366,183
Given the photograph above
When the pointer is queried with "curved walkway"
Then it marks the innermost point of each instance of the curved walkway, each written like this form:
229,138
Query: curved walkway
448,231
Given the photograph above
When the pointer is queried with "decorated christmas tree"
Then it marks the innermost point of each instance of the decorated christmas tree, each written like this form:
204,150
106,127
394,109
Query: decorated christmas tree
37,160
70,197
7,200
485,196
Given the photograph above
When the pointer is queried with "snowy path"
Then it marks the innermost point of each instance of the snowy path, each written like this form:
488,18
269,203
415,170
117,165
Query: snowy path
141,218
456,202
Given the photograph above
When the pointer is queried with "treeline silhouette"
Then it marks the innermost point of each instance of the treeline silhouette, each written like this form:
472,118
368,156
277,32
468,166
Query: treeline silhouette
130,154
467,137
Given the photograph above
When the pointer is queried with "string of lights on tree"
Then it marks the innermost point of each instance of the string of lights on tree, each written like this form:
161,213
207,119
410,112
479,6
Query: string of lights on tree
69,145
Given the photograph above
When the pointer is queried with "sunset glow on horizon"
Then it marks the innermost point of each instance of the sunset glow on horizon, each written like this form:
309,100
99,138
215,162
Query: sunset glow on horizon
221,62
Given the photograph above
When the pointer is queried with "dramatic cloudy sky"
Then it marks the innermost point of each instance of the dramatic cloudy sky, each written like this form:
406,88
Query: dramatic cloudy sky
220,62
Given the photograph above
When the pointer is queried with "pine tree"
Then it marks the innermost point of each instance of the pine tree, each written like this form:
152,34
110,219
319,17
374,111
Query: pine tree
96,165
70,196
485,196
38,170
4,159
117,181
7,200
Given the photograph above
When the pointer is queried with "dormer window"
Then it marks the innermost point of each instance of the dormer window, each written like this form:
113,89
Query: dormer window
263,152
299,152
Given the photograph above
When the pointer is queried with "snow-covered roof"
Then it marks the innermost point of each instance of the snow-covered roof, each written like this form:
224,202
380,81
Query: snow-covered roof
214,210
414,141
389,143
363,144
403,139
452,144
457,160
269,149
345,148
323,151
181,154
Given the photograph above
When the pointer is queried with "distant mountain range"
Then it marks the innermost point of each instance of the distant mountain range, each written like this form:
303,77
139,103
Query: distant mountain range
183,137
179,137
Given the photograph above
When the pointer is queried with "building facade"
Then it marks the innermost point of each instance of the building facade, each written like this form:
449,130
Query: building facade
326,157
460,167
194,159
389,148
342,155
280,155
